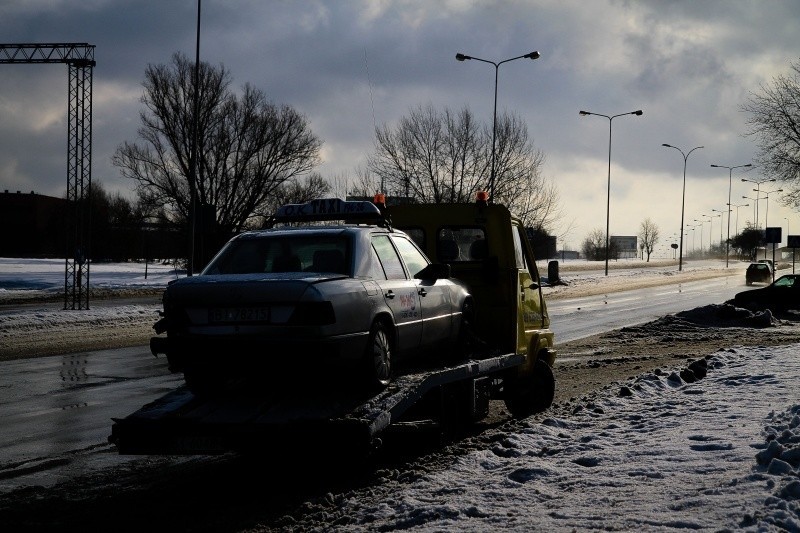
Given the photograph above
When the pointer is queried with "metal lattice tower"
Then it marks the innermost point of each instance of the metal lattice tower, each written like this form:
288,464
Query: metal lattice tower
79,57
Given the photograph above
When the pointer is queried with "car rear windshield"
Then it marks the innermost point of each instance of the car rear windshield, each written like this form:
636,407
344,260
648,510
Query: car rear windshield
284,253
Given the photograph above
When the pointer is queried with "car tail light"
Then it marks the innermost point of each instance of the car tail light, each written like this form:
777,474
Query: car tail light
313,314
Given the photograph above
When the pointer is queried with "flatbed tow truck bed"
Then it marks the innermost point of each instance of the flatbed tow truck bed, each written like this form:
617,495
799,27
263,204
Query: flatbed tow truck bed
180,423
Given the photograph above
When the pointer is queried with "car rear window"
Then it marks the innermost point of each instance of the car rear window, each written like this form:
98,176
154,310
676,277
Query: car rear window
284,253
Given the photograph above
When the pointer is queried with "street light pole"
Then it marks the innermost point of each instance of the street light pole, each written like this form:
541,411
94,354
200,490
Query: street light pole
766,203
737,206
766,213
463,57
710,229
755,205
638,113
721,214
700,224
730,183
683,202
758,192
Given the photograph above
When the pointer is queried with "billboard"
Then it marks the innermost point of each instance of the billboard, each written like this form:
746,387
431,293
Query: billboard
626,246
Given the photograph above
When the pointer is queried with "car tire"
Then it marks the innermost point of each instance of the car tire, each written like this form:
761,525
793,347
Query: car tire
531,393
378,357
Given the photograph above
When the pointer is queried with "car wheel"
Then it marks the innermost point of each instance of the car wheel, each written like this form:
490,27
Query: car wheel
378,357
531,393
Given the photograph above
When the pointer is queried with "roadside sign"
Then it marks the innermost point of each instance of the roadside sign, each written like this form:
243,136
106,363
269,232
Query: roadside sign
793,241
772,235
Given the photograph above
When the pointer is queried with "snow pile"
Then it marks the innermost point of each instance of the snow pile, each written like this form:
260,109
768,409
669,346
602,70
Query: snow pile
717,316
720,452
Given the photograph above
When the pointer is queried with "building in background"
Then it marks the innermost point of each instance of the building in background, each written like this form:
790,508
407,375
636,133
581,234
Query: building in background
624,246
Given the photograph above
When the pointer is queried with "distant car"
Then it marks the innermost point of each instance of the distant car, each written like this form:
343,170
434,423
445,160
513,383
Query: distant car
758,273
285,302
781,295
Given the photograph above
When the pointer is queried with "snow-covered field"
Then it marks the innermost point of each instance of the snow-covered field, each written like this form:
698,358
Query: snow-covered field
44,277
661,452
655,454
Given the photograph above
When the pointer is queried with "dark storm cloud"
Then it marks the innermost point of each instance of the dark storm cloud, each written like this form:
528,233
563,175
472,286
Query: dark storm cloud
351,65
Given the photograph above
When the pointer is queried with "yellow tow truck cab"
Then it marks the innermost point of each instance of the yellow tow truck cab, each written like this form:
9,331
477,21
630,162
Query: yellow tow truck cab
487,248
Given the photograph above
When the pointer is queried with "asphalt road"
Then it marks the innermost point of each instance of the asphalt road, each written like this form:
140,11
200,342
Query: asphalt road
574,318
57,411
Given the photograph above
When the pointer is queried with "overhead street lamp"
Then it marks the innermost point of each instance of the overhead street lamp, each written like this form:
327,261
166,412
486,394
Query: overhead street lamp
683,202
463,57
758,191
730,179
766,213
700,224
691,227
766,198
755,205
787,229
638,113
710,229
737,206
721,213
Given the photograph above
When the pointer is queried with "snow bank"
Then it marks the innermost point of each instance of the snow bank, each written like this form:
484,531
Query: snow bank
659,452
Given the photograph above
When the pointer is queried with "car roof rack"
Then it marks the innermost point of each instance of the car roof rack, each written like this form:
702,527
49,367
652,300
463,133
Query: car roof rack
328,209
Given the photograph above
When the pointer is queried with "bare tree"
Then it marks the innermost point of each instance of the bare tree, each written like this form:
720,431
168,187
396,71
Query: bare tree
648,236
247,149
775,124
438,157
594,245
293,191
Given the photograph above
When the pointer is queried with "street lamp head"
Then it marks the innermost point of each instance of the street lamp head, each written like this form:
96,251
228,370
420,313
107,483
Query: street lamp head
462,57
583,113
533,55
638,112
667,145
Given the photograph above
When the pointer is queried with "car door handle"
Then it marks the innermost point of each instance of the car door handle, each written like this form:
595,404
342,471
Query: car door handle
422,292
389,294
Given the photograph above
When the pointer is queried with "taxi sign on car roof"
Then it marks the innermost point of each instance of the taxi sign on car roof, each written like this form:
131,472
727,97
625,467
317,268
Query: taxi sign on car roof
329,209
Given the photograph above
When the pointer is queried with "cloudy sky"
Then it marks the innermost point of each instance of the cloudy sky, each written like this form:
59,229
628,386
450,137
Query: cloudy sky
348,65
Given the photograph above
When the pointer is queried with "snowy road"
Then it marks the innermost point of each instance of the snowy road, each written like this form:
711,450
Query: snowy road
575,318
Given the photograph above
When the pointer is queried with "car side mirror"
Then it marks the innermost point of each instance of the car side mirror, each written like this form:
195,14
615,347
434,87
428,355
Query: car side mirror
434,271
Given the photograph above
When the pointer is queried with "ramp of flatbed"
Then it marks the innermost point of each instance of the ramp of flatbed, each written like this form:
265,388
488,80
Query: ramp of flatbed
182,423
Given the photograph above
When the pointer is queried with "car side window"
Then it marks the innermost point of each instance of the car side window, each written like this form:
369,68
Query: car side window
519,254
375,268
388,257
413,258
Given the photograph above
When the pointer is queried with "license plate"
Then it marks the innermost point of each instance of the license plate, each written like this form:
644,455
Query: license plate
239,314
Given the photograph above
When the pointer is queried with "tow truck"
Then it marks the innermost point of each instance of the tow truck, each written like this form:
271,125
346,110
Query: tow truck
509,357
